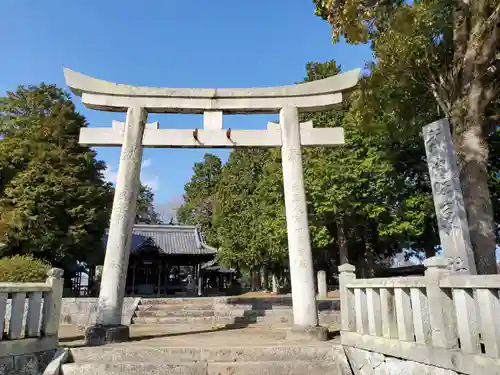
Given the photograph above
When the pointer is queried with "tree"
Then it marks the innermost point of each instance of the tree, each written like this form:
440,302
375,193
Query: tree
237,212
146,212
54,202
198,205
366,200
452,49
371,197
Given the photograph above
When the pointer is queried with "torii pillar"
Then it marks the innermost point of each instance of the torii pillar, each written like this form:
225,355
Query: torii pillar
132,136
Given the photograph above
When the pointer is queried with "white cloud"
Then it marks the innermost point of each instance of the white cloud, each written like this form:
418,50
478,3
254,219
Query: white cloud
110,174
168,210
153,181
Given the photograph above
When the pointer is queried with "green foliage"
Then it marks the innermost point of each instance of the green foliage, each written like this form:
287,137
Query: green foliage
22,269
250,228
145,211
373,190
54,202
198,206
440,59
368,199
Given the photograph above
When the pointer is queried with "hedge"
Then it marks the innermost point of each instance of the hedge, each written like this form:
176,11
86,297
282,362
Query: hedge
22,269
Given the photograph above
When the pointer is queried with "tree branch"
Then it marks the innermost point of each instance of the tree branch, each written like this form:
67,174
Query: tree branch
438,86
461,16
488,32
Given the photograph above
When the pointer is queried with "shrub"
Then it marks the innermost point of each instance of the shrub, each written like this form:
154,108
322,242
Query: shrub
23,269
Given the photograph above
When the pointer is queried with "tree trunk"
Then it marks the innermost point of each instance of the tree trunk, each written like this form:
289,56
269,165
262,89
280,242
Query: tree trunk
368,255
475,36
342,243
275,283
472,153
264,279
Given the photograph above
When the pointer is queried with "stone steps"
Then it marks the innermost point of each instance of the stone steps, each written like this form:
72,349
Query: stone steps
210,312
247,351
267,320
159,352
176,307
178,301
204,368
159,312
173,313
174,319
278,318
157,357
183,328
274,303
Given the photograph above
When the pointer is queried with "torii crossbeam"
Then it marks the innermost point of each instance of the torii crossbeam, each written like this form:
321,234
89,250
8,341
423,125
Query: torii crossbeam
211,138
133,135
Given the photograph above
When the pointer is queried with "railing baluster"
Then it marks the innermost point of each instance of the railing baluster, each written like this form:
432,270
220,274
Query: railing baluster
33,316
404,314
489,309
388,312
441,307
374,311
17,315
3,308
361,310
421,319
465,307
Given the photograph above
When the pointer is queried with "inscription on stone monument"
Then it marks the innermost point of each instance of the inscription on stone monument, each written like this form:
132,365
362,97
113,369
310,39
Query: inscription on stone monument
448,200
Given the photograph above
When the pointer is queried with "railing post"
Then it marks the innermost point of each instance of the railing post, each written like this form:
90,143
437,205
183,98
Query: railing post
347,311
441,307
322,284
52,302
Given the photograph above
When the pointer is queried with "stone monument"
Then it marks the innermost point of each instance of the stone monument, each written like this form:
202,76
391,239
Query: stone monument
448,200
135,134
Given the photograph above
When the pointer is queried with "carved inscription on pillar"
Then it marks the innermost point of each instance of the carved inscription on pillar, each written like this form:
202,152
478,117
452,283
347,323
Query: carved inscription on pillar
448,199
131,153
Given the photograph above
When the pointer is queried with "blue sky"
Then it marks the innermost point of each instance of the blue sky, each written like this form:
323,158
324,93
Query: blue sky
167,43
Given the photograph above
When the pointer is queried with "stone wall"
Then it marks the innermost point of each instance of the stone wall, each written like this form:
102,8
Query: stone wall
83,311
26,364
364,362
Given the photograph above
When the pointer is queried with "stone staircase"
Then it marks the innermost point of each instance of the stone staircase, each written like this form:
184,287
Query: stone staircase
227,312
175,311
225,352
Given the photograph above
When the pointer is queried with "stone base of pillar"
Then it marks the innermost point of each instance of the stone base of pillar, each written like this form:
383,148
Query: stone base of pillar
105,334
298,333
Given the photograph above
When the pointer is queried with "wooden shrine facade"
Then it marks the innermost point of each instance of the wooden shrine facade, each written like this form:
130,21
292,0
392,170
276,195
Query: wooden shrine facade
167,260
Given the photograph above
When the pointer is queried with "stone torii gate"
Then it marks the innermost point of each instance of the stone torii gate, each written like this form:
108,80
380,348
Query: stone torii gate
133,135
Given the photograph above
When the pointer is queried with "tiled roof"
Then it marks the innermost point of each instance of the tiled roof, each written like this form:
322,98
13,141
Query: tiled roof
213,265
170,239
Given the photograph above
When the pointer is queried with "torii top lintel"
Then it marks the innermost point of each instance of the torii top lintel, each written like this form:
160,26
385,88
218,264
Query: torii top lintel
307,97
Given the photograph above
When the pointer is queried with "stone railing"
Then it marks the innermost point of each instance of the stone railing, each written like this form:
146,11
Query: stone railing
443,319
29,322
